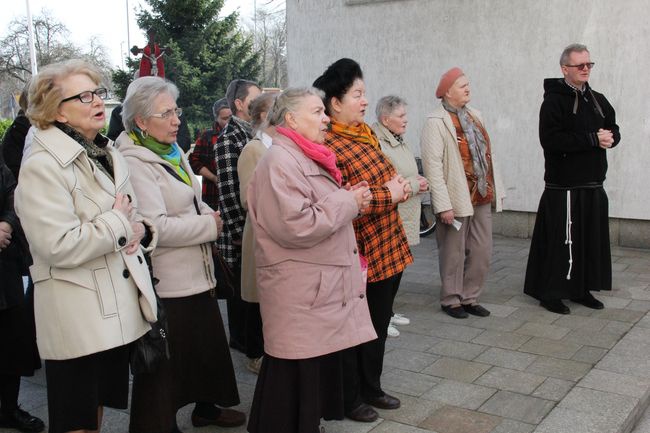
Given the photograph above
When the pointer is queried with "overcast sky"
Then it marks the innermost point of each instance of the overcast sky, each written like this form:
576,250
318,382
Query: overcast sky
104,18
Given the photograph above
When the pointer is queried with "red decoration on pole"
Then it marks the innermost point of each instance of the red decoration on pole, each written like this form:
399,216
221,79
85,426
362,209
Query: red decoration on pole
152,62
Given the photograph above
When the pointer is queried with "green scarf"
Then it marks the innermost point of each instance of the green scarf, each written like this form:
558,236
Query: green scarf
169,152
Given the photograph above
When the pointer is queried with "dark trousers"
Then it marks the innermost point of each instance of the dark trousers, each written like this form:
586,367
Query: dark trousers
363,364
9,387
395,289
236,311
254,342
244,320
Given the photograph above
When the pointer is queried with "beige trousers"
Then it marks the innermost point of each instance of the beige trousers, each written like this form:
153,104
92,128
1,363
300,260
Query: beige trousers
464,256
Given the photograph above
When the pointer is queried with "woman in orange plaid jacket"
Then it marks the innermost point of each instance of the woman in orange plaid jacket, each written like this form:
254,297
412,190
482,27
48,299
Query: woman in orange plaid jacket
379,232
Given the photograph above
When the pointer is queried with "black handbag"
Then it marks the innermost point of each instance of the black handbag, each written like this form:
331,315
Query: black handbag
153,347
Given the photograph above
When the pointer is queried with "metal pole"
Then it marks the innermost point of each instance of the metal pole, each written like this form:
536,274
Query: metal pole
128,31
32,47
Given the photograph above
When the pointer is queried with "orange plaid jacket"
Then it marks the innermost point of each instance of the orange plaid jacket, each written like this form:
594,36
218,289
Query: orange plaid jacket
380,235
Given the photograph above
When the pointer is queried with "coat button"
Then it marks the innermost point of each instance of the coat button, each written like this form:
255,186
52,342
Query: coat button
344,304
361,296
125,273
140,259
121,241
354,251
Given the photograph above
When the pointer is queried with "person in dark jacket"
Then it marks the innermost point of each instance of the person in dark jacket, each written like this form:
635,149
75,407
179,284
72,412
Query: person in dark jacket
13,142
17,333
570,251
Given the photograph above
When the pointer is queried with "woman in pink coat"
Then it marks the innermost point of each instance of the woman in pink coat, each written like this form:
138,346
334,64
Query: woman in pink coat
312,293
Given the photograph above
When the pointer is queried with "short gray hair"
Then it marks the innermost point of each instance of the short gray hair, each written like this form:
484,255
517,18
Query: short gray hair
573,48
288,102
218,106
140,96
388,104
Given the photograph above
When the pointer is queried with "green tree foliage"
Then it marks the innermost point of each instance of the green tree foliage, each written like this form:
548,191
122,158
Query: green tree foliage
207,52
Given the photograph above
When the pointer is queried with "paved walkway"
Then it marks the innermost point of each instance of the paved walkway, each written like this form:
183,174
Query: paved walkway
520,370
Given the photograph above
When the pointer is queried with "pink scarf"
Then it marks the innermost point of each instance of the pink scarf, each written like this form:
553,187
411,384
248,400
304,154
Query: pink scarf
316,152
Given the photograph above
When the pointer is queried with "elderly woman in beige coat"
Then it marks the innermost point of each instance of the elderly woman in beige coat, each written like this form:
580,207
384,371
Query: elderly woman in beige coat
390,129
250,155
312,295
93,293
199,369
458,162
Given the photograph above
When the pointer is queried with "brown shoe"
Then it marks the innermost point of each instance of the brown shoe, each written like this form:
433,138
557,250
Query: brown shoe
385,402
363,413
227,418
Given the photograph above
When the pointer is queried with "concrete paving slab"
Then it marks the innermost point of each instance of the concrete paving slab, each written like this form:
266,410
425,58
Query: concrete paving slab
461,394
510,380
409,359
458,349
553,348
450,419
395,427
552,332
592,401
559,368
504,340
512,426
553,389
562,420
456,369
589,354
623,384
408,382
413,410
506,404
506,358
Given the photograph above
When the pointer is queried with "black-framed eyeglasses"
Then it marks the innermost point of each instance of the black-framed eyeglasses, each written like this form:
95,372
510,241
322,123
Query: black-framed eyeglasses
169,113
87,96
582,66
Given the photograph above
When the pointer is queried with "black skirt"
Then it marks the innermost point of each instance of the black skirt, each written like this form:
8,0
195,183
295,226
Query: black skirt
550,275
77,387
199,369
291,396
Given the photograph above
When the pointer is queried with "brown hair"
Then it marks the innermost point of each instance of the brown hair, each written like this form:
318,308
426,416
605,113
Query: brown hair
45,89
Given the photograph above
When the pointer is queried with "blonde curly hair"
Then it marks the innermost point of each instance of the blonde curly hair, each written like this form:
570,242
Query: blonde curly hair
45,89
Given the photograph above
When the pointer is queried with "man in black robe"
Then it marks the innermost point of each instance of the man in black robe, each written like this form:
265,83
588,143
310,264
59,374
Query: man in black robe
570,252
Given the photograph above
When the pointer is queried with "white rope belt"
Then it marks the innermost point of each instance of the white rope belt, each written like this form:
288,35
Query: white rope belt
568,240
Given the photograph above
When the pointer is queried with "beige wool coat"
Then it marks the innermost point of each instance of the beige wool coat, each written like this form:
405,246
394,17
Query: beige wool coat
88,291
403,160
248,159
443,165
312,296
182,260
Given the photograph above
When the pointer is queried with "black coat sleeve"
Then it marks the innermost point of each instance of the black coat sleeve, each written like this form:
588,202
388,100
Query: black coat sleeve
554,136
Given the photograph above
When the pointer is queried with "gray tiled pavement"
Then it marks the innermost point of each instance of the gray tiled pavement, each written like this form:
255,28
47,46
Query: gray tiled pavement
521,370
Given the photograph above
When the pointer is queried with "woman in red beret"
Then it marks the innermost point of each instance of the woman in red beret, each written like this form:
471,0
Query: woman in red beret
458,162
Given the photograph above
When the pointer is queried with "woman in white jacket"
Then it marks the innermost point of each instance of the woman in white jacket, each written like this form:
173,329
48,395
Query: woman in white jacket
93,293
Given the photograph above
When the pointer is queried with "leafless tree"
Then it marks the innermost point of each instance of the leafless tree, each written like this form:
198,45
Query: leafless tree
51,40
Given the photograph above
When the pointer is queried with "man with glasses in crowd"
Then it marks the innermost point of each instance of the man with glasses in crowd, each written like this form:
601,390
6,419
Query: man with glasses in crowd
570,252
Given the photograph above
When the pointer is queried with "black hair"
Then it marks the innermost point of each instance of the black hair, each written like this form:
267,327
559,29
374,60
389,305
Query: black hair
337,80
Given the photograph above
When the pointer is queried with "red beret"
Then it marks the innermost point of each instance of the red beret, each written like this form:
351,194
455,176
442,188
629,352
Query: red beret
447,80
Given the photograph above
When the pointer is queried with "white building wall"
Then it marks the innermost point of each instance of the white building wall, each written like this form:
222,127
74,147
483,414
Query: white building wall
507,48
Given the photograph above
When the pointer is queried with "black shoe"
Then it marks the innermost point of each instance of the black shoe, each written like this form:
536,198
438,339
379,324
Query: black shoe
555,306
384,402
589,301
455,312
363,413
21,420
476,310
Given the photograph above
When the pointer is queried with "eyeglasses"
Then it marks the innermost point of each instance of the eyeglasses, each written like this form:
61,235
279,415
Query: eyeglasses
169,113
582,66
88,96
